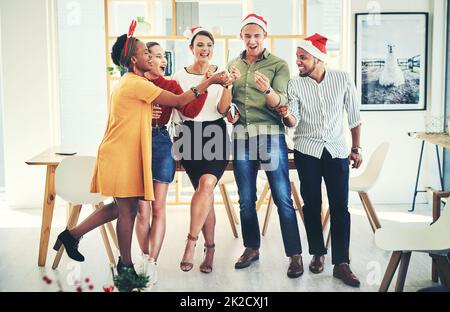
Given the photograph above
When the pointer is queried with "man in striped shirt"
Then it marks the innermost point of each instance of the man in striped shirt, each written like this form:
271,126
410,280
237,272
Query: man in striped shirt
317,100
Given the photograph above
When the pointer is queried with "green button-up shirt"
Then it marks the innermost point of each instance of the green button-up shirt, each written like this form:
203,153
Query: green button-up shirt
257,118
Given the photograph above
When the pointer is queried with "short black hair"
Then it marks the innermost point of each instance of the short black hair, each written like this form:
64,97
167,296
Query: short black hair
203,33
117,49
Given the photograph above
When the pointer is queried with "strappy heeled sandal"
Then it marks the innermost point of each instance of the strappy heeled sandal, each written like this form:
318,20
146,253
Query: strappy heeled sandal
187,266
206,268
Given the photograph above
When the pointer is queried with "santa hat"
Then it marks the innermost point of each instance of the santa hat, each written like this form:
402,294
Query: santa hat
316,45
254,19
190,33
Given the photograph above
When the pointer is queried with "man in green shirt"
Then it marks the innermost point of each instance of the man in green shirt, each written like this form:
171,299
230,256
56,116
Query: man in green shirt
259,141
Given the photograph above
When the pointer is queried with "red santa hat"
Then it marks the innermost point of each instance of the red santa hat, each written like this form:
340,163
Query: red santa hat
254,19
316,45
190,33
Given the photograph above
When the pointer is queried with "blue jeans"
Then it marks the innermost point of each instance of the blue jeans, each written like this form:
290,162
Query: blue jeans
163,164
269,151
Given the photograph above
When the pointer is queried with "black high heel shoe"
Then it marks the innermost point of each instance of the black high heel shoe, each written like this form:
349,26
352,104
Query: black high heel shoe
121,268
70,244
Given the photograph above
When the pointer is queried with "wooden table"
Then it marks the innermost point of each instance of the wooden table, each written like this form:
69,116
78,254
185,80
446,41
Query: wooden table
439,140
51,160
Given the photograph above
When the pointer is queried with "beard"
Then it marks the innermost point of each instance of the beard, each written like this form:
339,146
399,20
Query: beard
309,72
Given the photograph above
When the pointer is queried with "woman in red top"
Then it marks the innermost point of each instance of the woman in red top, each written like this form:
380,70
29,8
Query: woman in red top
151,236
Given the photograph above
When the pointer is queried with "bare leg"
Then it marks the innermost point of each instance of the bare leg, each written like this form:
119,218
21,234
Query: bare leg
208,234
108,213
125,222
200,207
158,227
209,226
143,224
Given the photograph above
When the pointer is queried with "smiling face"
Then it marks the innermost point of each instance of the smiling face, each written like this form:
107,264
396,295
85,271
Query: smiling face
306,62
158,62
202,48
253,37
141,58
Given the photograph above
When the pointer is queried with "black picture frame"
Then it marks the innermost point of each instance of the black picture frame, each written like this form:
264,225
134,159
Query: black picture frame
386,82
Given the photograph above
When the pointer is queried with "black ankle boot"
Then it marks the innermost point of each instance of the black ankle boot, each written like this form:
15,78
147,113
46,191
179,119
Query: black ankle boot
70,244
121,268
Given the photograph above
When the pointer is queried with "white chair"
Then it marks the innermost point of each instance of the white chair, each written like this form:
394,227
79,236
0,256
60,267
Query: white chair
72,180
403,239
364,182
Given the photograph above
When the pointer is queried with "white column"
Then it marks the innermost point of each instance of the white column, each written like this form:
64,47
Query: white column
29,87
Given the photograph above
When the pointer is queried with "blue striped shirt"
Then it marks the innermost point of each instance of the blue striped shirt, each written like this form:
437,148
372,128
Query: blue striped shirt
319,111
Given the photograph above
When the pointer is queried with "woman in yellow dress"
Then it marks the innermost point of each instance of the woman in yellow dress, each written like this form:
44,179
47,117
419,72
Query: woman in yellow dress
124,161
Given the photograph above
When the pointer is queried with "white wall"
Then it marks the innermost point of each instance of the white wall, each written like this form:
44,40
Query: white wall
82,79
397,180
27,97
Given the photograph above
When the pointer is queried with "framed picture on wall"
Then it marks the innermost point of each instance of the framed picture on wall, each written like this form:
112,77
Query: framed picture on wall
391,60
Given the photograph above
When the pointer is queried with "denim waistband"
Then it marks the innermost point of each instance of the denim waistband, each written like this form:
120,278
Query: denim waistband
164,127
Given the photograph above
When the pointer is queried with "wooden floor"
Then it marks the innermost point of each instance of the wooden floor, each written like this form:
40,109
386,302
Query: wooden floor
19,237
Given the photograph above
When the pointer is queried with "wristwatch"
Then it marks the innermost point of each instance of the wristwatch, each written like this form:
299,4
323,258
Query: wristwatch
196,92
268,91
356,150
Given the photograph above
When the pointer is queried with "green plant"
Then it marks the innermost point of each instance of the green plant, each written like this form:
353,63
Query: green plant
128,281
112,70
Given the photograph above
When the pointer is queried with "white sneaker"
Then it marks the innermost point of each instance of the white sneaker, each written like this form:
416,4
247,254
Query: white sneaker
152,272
142,266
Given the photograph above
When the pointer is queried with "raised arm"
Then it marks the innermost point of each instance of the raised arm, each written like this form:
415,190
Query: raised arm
178,101
227,96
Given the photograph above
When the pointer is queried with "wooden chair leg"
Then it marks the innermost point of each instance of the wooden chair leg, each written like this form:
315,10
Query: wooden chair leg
328,241
369,218
326,224
390,271
263,196
112,233
111,230
267,218
228,207
298,201
436,213
370,211
443,267
326,218
71,223
404,263
105,239
107,244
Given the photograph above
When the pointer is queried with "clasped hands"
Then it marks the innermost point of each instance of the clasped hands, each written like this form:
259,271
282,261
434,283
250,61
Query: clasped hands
224,77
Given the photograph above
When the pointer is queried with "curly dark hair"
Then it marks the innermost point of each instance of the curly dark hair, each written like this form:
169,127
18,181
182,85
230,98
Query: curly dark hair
117,49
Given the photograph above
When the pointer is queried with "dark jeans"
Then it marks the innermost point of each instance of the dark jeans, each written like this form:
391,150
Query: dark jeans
335,172
271,152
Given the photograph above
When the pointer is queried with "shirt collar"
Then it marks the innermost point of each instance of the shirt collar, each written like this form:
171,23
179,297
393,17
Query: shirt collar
325,78
264,55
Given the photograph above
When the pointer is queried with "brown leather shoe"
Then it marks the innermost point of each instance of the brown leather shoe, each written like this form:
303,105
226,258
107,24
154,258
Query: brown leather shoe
295,266
343,272
316,264
247,258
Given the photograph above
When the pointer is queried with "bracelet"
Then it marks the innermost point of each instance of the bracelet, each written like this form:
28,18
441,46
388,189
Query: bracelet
279,102
196,92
